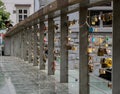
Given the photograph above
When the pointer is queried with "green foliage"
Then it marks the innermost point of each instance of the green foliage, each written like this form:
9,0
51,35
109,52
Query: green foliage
4,15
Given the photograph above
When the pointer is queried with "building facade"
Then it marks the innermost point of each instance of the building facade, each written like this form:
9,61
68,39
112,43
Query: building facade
41,3
19,9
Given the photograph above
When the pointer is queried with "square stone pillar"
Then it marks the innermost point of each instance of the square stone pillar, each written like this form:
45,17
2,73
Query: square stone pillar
22,47
42,29
64,50
30,44
116,47
24,43
83,65
35,63
7,46
51,66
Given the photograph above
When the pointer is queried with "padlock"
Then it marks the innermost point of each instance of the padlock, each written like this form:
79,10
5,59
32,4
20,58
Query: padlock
69,47
74,48
102,71
110,85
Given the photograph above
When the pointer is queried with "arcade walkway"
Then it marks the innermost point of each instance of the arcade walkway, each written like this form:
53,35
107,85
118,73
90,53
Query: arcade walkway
19,77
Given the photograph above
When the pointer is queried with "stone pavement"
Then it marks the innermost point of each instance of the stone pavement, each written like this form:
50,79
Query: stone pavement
19,77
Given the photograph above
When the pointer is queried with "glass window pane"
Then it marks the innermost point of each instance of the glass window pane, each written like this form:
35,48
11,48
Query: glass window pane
20,16
25,16
25,11
20,11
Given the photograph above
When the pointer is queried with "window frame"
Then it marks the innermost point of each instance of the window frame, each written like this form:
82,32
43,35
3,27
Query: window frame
23,8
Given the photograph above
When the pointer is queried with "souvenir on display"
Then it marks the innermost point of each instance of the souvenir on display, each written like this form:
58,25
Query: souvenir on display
96,18
106,62
38,61
69,46
44,59
90,64
102,71
102,61
90,67
101,51
103,17
74,48
91,29
90,50
110,85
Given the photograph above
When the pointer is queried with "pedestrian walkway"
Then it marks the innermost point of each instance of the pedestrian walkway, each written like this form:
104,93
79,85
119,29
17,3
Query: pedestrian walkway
19,77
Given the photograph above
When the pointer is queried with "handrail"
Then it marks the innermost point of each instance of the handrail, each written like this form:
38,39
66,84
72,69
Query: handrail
52,7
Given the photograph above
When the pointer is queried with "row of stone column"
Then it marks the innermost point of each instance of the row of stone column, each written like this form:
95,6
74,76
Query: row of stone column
17,42
28,44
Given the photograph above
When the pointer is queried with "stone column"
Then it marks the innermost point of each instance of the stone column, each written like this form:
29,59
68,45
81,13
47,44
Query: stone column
7,46
64,50
42,27
30,44
22,44
116,47
35,45
13,45
26,44
38,43
19,44
51,70
83,65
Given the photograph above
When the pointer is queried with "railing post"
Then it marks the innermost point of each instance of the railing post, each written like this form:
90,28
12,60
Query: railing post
83,67
42,29
20,34
19,46
7,45
24,44
64,50
51,70
30,44
116,47
14,45
12,48
38,42
35,63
